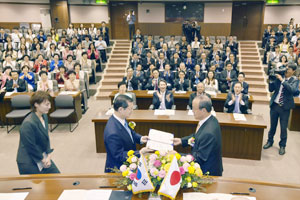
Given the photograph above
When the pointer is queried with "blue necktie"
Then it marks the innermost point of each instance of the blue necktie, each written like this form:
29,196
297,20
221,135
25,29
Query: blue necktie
237,105
128,130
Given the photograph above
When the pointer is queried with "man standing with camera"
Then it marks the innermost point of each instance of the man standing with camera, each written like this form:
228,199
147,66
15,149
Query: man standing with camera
281,103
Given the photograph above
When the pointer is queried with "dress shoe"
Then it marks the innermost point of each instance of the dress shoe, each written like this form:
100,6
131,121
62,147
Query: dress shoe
281,151
268,145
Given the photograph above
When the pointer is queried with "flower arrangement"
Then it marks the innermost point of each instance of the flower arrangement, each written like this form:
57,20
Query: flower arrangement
158,165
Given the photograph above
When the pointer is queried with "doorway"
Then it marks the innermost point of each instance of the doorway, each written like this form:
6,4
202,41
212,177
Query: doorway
247,20
118,15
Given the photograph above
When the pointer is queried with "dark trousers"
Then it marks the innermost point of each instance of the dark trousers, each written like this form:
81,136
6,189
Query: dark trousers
131,30
32,168
103,56
283,115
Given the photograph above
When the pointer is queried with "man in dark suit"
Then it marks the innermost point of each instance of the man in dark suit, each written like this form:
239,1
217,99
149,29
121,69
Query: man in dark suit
181,84
175,61
105,32
241,79
119,138
163,99
227,77
168,76
281,103
140,51
132,82
237,102
148,61
162,61
34,152
135,61
15,84
196,77
207,145
149,43
159,44
189,62
200,91
153,82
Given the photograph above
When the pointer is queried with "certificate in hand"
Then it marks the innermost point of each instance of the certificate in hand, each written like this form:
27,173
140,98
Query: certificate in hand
160,140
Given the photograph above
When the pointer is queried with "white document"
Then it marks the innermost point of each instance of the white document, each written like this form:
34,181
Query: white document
7,94
239,117
191,112
85,195
13,196
150,91
180,92
213,113
110,112
214,196
164,112
68,92
160,140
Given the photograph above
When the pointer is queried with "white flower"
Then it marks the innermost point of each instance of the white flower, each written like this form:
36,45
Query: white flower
189,158
123,168
196,165
189,185
132,166
134,159
183,159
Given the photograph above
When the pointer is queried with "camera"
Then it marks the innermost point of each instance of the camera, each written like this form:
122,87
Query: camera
281,71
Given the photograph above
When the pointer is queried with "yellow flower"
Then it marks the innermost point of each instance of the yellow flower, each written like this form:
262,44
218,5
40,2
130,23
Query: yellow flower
155,172
192,163
163,161
191,169
158,178
130,153
129,159
132,125
188,179
129,187
178,156
195,184
199,172
125,173
157,153
167,166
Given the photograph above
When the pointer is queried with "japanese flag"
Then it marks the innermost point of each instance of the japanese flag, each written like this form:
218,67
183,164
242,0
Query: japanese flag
171,183
142,181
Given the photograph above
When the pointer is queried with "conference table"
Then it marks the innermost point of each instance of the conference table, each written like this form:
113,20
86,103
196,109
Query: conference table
240,139
50,187
5,107
181,100
294,121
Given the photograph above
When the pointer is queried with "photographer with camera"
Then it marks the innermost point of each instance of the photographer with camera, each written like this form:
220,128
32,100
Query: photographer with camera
283,87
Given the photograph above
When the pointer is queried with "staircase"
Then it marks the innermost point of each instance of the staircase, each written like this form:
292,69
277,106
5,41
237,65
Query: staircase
251,65
115,69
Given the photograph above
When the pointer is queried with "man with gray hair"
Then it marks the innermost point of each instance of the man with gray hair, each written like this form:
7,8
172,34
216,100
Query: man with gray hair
206,142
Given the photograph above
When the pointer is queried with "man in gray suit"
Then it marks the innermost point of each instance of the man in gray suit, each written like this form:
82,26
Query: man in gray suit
207,145
281,103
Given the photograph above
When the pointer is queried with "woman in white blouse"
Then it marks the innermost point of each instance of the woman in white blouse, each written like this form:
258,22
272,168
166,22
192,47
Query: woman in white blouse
44,84
195,44
211,84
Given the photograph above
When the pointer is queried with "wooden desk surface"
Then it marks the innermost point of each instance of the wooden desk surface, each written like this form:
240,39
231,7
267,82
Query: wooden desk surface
50,187
52,94
182,117
297,101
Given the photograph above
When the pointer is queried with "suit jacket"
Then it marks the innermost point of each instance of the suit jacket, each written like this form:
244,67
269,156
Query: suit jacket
147,64
290,87
117,143
149,85
141,77
193,77
21,84
243,108
169,78
220,63
134,63
147,42
181,86
165,61
192,97
34,140
134,82
207,149
190,65
174,65
168,104
223,76
245,87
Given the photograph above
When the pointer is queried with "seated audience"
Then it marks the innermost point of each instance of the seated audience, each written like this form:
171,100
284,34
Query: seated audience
196,77
162,99
26,61
9,62
69,63
66,52
161,62
168,76
72,84
78,71
28,77
5,76
181,84
15,84
227,77
139,74
132,83
61,76
189,62
40,61
55,64
135,61
241,79
122,88
175,61
200,90
237,102
147,61
101,46
211,83
152,83
44,84
219,64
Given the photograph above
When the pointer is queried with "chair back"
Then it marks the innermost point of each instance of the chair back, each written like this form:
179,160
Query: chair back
55,85
64,101
20,101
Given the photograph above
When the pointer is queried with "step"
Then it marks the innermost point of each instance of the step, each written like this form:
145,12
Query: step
258,91
248,50
115,55
247,42
103,95
253,72
252,67
117,65
262,99
115,69
257,84
256,58
122,41
108,88
122,45
252,62
117,60
111,81
121,48
249,54
242,46
250,77
120,51
114,75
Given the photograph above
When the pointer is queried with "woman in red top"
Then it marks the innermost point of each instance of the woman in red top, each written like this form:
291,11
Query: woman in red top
62,76
38,62
93,54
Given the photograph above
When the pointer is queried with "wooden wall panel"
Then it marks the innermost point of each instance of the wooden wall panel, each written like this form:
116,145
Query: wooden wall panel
213,29
12,25
59,14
